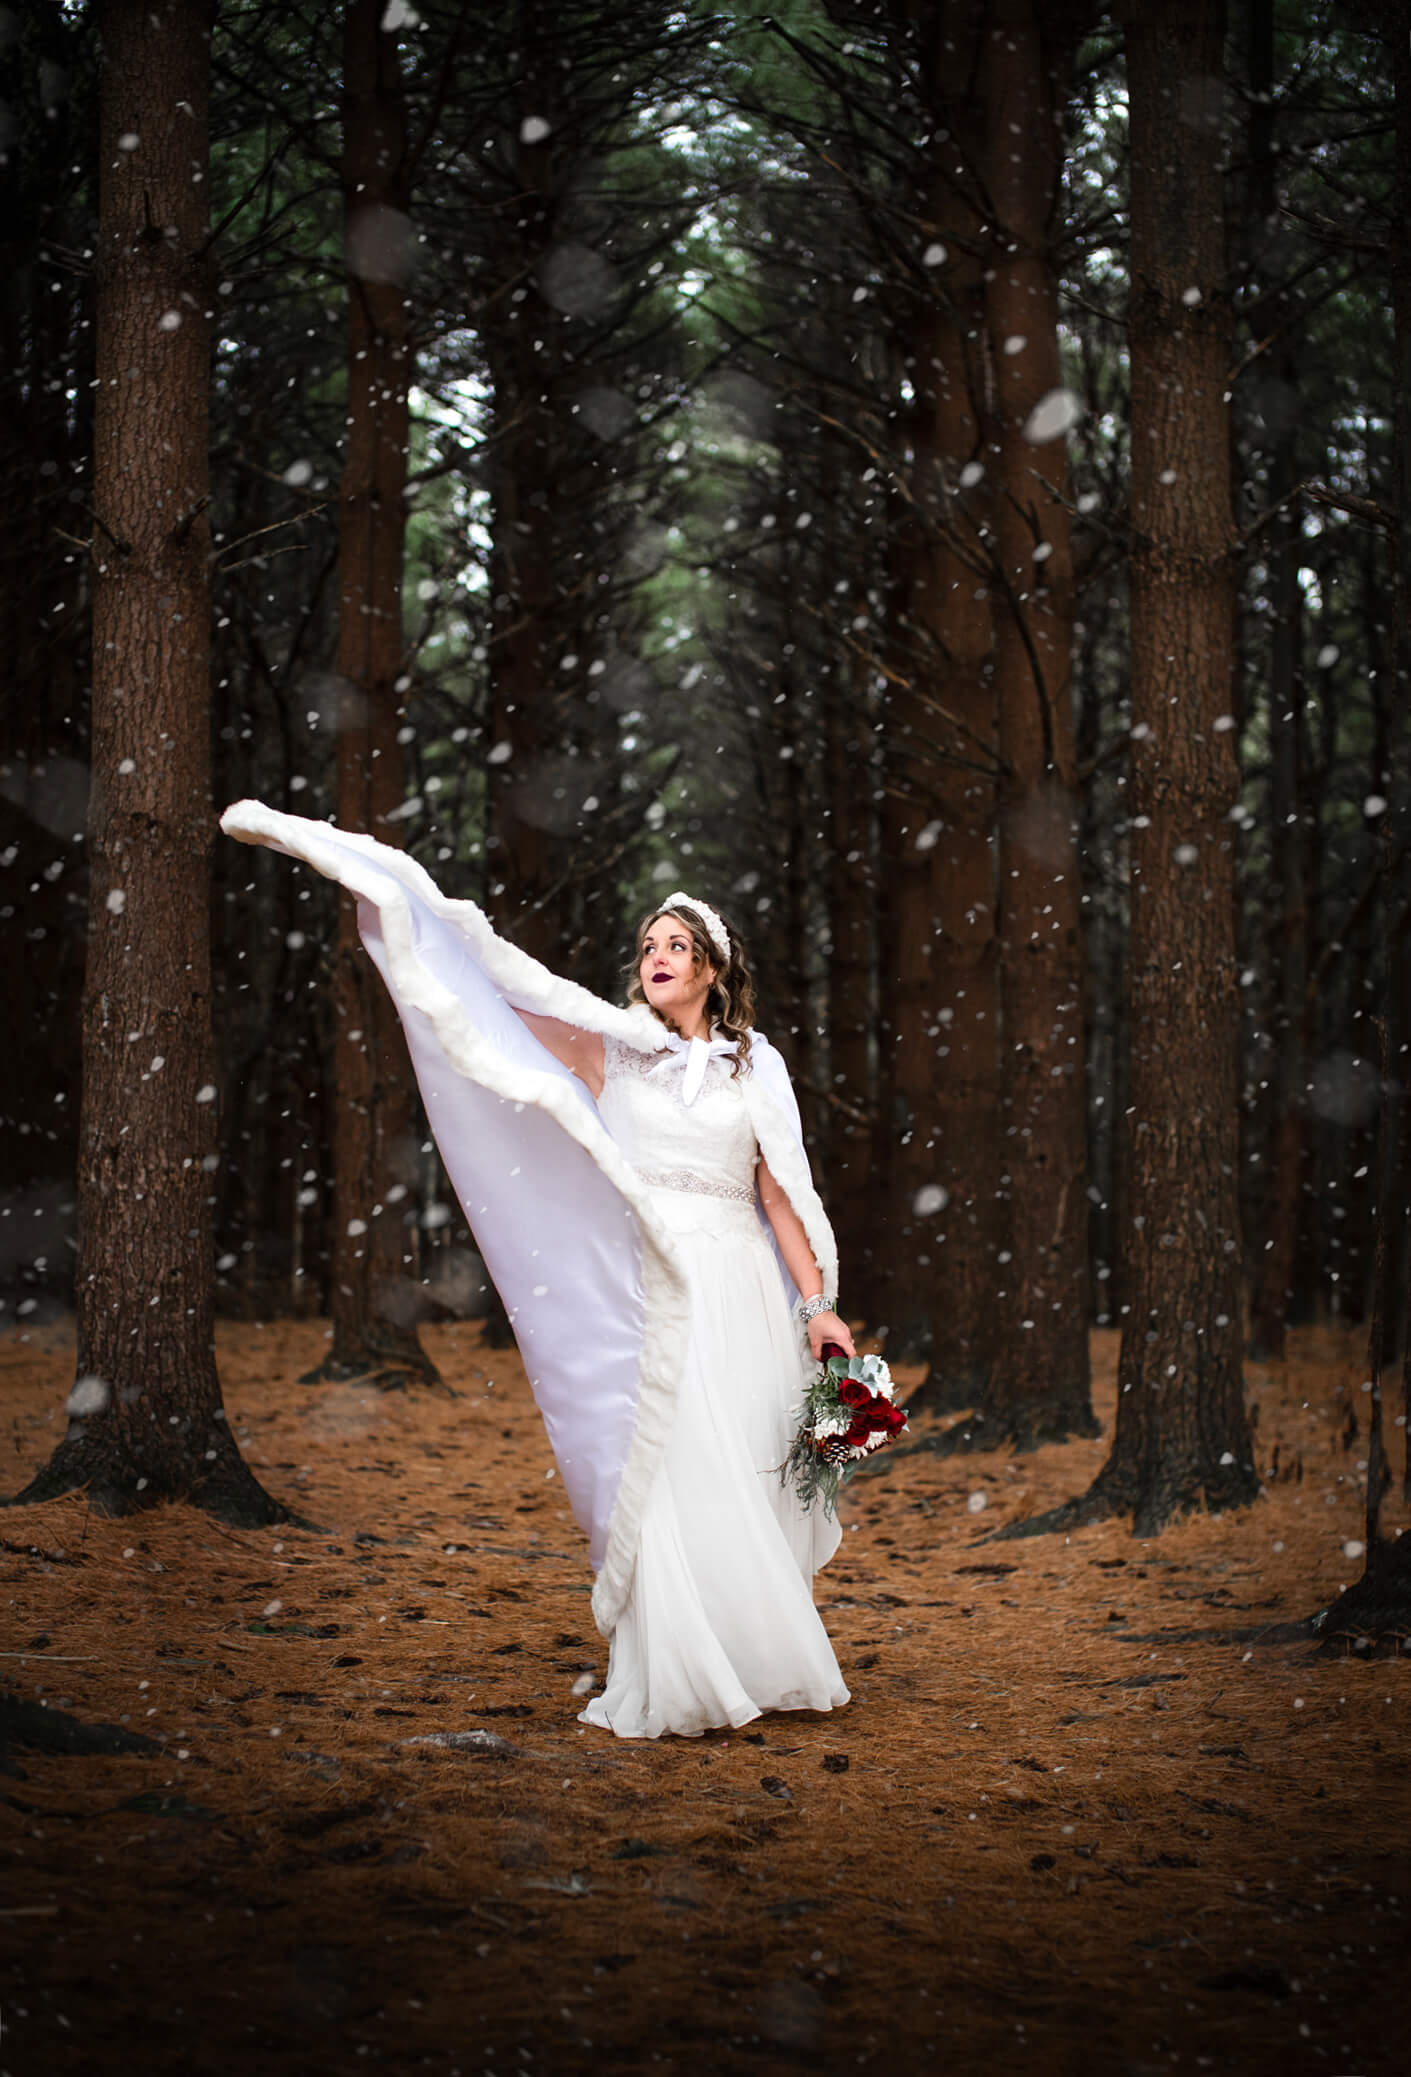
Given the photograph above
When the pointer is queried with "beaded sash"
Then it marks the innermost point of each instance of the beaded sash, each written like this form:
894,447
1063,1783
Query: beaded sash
700,1186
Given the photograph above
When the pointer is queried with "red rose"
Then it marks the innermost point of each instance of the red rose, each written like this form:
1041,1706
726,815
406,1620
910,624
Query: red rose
896,1420
853,1392
861,1428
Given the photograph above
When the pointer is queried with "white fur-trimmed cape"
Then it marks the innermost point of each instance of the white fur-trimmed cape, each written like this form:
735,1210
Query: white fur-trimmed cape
589,1275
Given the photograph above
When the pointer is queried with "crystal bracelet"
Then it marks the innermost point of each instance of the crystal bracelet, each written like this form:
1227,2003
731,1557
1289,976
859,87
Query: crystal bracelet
810,1308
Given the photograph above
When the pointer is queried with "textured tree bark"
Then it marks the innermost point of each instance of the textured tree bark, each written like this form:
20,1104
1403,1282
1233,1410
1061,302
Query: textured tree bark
1275,1266
1399,30
530,728
1039,1389
1182,1440
852,923
523,857
939,997
146,1422
373,1297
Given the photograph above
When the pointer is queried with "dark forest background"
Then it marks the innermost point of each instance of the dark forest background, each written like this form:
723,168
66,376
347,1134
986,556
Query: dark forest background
930,477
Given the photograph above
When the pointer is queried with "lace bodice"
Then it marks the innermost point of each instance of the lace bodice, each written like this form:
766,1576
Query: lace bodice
707,1147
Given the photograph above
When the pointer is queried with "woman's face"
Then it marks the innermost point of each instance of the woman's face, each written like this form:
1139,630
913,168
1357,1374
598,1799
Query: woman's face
671,981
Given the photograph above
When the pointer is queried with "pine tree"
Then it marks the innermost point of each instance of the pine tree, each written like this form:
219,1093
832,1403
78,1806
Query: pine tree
146,1422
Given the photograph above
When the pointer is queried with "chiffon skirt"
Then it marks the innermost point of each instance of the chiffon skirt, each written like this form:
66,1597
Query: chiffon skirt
720,1623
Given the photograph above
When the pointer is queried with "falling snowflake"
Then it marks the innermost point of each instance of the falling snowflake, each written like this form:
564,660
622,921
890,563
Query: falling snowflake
90,1395
1054,415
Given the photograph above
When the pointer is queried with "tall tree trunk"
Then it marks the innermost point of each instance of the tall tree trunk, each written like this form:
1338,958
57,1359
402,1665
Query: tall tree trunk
373,1299
529,726
1275,1265
146,1421
852,924
939,992
1399,772
1182,1440
1039,1390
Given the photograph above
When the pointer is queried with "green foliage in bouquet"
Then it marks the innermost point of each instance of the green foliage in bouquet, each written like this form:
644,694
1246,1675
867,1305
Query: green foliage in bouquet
847,1413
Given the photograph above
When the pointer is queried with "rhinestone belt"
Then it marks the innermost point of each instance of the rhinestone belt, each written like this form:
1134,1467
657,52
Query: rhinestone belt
701,1186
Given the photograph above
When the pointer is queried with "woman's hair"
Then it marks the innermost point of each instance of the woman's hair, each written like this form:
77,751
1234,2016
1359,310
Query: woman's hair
730,1004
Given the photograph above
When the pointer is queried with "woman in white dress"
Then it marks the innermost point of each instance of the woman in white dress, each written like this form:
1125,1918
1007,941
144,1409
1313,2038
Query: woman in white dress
637,1184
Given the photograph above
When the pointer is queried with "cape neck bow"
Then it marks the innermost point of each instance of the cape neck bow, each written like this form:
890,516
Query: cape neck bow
699,1054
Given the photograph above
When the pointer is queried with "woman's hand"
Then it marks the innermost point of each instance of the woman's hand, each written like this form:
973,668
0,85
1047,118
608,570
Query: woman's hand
826,1327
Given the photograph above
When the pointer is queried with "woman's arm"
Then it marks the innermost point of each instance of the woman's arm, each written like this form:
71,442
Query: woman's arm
580,1051
798,1260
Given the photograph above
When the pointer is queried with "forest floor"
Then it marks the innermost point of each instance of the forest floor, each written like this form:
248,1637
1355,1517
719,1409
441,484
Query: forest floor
1097,1804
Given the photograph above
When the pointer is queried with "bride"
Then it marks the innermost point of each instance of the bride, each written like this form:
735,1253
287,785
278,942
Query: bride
636,1181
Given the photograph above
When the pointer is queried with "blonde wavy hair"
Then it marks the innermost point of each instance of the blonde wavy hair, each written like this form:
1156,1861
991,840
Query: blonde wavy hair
730,1004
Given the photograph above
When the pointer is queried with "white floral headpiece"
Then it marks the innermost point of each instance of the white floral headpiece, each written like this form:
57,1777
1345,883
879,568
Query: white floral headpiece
719,934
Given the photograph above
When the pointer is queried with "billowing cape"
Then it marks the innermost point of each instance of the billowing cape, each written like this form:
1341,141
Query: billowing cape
589,1276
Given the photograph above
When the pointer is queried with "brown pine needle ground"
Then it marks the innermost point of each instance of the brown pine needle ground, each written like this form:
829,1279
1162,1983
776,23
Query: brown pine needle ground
1092,1807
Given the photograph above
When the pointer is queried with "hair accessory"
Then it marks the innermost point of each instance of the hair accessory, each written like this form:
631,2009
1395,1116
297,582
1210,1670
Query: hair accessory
703,909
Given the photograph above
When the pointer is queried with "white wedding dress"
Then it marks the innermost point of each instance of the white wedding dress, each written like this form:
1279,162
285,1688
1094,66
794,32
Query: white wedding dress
719,1623
651,1307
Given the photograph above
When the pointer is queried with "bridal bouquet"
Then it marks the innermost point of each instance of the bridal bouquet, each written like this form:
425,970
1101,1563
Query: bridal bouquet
847,1414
